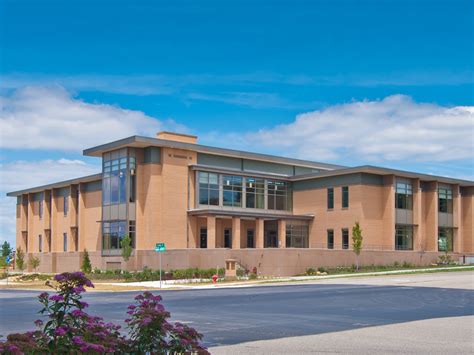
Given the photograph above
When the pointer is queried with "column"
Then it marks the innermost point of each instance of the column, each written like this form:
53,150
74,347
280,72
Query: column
457,220
259,231
418,230
211,232
236,236
281,233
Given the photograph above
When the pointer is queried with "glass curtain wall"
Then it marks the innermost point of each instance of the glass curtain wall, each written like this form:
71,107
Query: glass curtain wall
232,190
254,193
113,233
297,234
403,237
208,189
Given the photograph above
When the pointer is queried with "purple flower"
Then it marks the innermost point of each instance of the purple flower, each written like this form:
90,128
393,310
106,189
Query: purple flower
43,295
77,313
146,321
56,298
79,289
139,297
84,304
60,331
60,277
38,322
89,283
78,340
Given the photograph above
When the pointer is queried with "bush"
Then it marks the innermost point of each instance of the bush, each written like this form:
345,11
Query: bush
86,266
252,276
310,271
20,259
33,262
69,329
322,269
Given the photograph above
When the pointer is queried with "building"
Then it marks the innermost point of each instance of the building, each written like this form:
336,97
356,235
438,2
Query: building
208,204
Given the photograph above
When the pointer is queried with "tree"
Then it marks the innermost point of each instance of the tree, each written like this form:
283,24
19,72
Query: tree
86,266
6,249
357,242
126,245
20,259
34,262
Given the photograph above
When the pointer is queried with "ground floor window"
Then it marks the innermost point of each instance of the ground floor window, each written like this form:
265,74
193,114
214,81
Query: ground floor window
297,235
345,239
227,238
445,239
40,243
271,234
403,237
203,238
250,238
330,233
112,234
64,241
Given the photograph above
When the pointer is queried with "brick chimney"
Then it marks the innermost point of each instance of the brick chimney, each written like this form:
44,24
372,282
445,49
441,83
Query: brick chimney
177,137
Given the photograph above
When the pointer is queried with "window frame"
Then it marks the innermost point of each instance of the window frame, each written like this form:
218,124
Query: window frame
404,231
345,246
345,197
330,198
330,235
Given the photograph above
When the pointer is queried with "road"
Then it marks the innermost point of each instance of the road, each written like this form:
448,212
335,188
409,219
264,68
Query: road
234,316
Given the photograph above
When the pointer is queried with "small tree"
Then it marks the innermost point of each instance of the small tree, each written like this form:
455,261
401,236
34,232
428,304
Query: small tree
126,245
86,266
20,259
6,249
34,262
357,242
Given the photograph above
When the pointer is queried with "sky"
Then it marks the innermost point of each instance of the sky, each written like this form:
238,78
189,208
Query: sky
386,83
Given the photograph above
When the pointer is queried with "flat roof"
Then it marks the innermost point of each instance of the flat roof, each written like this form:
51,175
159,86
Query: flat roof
383,171
143,142
57,185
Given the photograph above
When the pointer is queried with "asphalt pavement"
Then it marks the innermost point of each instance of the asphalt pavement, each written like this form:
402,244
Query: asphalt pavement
240,315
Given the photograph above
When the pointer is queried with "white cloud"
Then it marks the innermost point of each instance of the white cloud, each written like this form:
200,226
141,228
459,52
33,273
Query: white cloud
51,118
25,174
393,129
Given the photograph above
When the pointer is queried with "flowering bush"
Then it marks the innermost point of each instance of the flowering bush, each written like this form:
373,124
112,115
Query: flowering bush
69,329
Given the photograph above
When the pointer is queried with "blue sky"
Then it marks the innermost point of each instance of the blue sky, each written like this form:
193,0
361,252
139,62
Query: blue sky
386,83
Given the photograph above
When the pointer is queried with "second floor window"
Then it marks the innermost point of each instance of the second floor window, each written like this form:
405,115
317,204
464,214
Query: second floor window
66,204
277,195
445,199
404,195
232,190
254,193
40,209
208,189
345,197
330,198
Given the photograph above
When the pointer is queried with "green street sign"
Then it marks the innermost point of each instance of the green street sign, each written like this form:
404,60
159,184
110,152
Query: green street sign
160,247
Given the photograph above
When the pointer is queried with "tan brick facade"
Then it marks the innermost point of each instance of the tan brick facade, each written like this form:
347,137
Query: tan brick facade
166,210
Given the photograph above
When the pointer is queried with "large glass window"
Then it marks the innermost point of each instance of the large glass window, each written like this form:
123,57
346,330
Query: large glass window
296,235
330,198
330,235
403,237
208,189
254,192
232,190
250,238
114,181
277,195
345,197
404,195
445,239
227,238
445,199
112,234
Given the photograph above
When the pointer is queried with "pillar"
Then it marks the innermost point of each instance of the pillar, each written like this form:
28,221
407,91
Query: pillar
281,233
211,232
457,220
236,236
418,231
259,230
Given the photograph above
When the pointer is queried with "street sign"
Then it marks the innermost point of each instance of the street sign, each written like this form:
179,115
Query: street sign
8,259
160,247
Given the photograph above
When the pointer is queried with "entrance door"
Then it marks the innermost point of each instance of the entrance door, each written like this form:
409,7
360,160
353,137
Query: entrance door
271,234
227,238
250,238
203,238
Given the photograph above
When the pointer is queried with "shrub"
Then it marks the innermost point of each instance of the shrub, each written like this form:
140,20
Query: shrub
33,262
252,276
310,271
86,266
20,259
322,269
69,329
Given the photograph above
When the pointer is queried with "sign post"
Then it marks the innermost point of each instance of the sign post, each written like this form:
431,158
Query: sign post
160,248
8,260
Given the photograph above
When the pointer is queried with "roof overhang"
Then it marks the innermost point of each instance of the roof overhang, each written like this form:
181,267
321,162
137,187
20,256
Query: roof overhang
57,185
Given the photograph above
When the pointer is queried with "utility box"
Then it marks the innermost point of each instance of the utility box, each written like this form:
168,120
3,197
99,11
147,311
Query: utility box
230,269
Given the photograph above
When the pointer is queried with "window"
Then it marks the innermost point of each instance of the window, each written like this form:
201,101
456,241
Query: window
66,204
232,190
40,207
445,199
345,197
114,181
330,239
227,238
203,238
40,243
345,239
133,168
250,238
208,189
254,193
277,195
131,232
64,241
112,234
330,198
445,239
403,195
403,237
296,235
